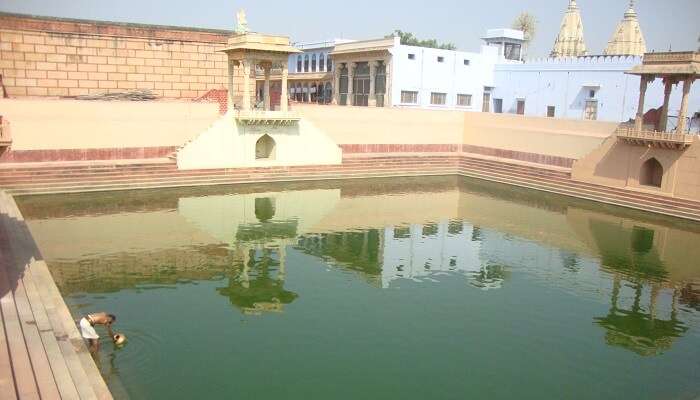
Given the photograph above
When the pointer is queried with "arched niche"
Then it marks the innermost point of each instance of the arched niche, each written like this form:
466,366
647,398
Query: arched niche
265,148
651,173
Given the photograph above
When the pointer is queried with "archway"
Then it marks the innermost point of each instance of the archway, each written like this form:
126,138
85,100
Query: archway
265,148
651,173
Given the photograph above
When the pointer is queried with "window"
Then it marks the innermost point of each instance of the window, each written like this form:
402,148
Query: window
306,63
590,112
321,63
411,56
298,63
409,97
380,84
512,51
441,59
343,88
438,99
329,64
551,110
313,63
464,100
466,62
498,106
591,94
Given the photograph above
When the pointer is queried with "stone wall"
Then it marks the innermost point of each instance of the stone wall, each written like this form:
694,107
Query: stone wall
61,57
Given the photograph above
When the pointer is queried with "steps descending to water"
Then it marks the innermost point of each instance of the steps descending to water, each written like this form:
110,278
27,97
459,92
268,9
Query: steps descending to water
44,179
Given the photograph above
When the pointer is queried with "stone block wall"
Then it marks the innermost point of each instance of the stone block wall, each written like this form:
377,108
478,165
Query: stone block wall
63,57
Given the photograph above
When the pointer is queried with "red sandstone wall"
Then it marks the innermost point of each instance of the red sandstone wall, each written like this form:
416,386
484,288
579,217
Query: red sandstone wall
56,57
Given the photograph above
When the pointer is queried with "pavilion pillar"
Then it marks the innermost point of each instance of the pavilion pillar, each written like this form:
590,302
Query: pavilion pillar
282,253
663,121
639,121
687,83
283,89
336,84
387,83
351,74
266,88
245,104
230,105
372,102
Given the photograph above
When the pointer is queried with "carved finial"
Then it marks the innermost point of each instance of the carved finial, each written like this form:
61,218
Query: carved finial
241,22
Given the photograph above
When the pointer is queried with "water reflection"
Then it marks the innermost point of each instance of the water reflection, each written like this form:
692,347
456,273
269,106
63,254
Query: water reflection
260,285
391,235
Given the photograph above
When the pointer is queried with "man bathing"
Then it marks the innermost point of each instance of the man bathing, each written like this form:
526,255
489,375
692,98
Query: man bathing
87,329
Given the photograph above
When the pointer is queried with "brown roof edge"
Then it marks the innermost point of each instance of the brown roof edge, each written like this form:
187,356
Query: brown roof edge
111,28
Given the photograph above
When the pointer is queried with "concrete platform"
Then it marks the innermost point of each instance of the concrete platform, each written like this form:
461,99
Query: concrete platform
42,355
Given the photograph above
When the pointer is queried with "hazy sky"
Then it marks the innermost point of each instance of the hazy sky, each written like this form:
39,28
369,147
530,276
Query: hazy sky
664,23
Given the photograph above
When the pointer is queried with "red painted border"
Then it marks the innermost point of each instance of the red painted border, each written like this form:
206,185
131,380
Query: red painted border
19,156
399,148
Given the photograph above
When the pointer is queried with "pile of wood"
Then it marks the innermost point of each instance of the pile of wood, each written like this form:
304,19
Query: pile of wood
131,95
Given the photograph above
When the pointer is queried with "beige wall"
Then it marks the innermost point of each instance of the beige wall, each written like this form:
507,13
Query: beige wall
350,125
54,57
618,164
71,124
549,136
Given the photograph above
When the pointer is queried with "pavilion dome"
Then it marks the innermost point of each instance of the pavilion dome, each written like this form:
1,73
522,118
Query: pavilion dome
570,42
627,39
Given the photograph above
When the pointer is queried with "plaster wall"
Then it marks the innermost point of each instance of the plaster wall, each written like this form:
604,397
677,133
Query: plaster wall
41,124
618,164
566,84
425,74
555,137
228,144
350,125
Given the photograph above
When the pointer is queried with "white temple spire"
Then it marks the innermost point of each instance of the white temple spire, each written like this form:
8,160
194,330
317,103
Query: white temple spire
627,39
570,42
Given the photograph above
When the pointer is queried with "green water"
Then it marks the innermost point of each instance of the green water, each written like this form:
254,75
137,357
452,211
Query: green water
431,288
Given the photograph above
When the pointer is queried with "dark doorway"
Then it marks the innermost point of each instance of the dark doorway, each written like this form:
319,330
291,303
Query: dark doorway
521,107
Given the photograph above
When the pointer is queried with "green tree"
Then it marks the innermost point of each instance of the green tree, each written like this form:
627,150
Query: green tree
409,39
527,23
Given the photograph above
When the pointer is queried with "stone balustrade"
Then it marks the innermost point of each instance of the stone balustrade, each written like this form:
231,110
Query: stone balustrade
265,117
666,140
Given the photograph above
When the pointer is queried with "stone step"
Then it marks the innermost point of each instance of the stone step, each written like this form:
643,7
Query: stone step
145,175
149,172
607,189
565,186
660,209
215,178
30,173
224,181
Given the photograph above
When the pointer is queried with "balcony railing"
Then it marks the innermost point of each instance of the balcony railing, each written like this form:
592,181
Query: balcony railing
262,117
655,139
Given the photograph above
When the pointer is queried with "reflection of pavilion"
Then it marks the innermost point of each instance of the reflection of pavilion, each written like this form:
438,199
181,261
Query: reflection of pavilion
260,285
641,331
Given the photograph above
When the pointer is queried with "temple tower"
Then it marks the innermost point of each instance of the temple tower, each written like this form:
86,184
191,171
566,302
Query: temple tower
570,41
627,39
